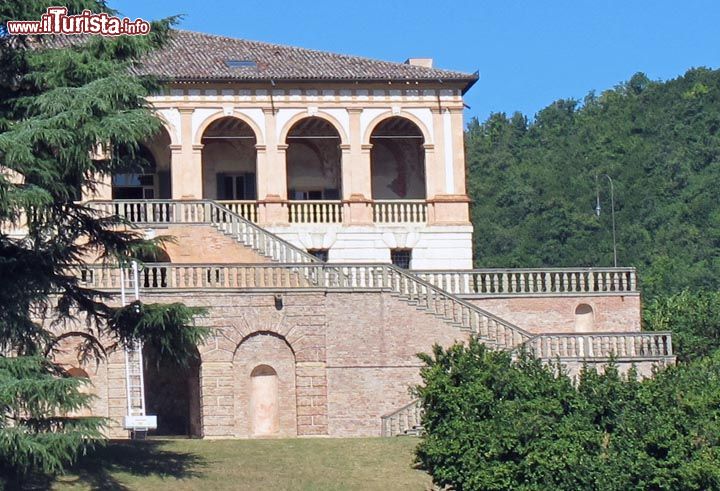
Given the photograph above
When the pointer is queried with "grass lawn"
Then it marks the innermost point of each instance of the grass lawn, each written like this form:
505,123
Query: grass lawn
297,464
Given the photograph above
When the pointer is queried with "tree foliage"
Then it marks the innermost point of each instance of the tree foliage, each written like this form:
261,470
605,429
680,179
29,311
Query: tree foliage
495,424
534,189
58,101
692,316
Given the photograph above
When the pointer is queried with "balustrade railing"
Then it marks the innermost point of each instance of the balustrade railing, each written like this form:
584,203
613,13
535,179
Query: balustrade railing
405,420
399,211
148,212
315,211
246,209
644,344
386,277
534,281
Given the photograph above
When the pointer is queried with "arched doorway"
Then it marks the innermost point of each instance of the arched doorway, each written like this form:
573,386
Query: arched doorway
313,161
229,160
397,160
146,172
172,393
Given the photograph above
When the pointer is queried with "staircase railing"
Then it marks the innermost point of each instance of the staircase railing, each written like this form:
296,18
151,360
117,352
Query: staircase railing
603,345
402,420
164,212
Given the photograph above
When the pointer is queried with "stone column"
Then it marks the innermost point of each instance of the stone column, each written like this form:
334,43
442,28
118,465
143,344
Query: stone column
261,171
458,142
357,188
187,169
447,202
434,158
272,201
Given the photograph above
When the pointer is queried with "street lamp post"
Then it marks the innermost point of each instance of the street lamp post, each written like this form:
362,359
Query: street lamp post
612,210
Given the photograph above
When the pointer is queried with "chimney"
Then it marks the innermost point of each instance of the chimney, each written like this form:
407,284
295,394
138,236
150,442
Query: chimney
423,62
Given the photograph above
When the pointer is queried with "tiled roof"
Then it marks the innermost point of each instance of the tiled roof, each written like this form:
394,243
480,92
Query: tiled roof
195,56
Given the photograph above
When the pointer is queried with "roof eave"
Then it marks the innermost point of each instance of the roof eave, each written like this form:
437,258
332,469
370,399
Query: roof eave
466,82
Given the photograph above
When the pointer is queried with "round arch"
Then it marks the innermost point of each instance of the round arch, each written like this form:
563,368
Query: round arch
259,135
313,160
427,136
229,159
282,138
169,128
266,333
398,163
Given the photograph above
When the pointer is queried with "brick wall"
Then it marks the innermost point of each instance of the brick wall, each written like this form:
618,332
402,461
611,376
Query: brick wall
342,359
612,313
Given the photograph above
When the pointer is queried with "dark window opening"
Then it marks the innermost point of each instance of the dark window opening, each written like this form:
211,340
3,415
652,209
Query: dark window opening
321,254
236,186
401,257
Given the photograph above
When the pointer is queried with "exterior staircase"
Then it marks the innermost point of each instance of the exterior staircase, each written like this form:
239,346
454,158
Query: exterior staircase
148,213
296,269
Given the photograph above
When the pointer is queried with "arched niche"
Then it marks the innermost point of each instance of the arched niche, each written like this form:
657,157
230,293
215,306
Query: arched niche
265,399
584,318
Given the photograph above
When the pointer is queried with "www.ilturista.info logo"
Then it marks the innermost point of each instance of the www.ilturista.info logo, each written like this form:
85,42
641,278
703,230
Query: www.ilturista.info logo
57,21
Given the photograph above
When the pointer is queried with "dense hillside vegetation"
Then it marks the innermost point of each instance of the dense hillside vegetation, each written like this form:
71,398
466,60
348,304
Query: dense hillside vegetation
534,189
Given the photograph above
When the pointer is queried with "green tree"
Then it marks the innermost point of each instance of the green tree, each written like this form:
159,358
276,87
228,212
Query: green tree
57,102
533,183
492,423
694,318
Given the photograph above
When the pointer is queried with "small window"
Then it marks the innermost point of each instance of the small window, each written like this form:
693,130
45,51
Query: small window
321,254
241,63
401,257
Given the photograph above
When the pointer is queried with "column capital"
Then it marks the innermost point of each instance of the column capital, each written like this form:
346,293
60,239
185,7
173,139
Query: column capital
197,147
269,111
282,147
355,110
175,148
186,110
260,147
429,147
345,147
366,147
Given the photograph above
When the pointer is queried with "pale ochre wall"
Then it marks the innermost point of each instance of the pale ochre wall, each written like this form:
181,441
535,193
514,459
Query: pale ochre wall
354,110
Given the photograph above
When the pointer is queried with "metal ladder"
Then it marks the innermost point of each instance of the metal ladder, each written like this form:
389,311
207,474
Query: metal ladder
136,420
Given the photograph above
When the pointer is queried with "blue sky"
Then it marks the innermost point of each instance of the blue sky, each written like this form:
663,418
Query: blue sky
528,53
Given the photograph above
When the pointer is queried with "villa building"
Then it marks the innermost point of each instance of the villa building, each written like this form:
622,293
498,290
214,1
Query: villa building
321,215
